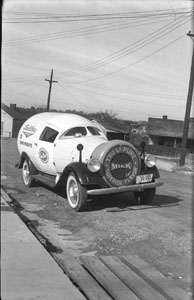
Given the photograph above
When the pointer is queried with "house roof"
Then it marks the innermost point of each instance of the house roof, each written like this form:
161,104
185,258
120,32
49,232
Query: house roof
169,128
14,113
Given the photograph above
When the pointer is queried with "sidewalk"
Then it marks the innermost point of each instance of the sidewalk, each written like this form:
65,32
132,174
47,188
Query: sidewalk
167,164
28,272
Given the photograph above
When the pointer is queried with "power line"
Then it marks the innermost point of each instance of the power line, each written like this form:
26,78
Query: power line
91,106
20,79
128,65
12,12
150,38
73,18
79,32
117,25
124,99
141,93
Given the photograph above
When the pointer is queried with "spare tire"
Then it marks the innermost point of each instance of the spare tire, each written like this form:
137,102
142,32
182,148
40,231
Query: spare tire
121,162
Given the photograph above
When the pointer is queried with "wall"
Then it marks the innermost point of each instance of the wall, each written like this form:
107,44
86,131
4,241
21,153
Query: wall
6,124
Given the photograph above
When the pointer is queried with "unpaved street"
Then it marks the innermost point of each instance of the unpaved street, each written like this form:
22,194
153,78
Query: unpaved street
161,234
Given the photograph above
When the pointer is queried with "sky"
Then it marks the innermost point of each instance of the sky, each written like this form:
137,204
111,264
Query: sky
131,59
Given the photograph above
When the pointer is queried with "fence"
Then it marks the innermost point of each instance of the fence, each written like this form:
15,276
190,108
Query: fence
164,151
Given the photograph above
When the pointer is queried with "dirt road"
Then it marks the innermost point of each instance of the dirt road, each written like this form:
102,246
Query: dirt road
161,233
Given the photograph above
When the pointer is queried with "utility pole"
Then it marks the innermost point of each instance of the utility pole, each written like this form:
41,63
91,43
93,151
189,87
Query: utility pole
50,86
187,111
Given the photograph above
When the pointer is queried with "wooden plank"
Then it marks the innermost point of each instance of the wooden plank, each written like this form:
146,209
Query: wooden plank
156,279
90,288
135,282
111,283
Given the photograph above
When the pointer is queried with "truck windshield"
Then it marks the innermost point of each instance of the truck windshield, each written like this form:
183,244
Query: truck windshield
93,130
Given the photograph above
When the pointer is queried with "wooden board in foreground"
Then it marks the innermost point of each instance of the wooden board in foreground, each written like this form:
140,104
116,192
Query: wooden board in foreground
119,278
164,285
133,280
111,283
86,283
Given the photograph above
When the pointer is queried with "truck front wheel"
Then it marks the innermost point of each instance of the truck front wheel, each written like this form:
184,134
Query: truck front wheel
76,193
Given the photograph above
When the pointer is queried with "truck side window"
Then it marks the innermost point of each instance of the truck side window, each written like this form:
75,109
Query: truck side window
48,135
76,130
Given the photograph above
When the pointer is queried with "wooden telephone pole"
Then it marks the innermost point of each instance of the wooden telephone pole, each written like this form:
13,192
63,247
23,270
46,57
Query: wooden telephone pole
188,110
50,86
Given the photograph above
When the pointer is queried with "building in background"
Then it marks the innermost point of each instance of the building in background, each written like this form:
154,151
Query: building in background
11,120
6,124
166,133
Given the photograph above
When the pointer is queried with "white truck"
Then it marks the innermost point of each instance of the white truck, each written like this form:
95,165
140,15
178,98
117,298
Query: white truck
70,150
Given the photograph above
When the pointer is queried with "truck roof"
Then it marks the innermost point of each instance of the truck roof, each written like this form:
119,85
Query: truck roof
62,121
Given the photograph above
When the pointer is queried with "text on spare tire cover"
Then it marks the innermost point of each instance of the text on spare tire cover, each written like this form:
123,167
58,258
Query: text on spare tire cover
121,165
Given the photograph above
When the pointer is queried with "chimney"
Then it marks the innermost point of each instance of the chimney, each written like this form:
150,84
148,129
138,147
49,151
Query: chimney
13,106
165,117
32,109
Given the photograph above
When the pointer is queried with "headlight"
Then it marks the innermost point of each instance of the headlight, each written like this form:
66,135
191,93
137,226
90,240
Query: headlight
94,165
150,160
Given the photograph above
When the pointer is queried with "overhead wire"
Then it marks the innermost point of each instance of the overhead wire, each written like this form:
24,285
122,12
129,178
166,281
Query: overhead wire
20,79
141,93
145,56
86,17
150,38
12,12
91,106
128,65
26,92
77,99
81,31
116,25
124,99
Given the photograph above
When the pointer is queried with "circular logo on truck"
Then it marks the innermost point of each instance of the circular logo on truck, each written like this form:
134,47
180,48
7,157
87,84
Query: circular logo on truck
43,155
121,165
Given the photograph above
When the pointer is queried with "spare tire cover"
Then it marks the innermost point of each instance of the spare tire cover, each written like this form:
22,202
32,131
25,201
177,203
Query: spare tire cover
121,162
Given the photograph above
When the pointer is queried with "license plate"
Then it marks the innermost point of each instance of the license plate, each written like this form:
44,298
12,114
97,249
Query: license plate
144,178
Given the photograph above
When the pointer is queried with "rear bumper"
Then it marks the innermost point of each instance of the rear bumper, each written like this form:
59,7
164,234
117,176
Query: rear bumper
121,189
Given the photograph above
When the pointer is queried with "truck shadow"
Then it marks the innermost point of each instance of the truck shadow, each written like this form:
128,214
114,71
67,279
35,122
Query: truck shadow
118,202
126,202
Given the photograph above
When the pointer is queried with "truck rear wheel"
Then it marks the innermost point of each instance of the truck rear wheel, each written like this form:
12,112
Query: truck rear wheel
26,174
76,193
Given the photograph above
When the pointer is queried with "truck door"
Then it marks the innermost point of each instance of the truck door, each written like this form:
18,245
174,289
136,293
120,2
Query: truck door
44,150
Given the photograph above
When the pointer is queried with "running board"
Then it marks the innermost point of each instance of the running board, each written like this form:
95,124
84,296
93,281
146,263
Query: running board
46,179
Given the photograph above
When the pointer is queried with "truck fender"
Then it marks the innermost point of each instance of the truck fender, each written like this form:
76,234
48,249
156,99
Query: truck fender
79,169
24,156
155,172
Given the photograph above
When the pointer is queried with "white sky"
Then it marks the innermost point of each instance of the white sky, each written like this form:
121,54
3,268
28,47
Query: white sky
135,55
